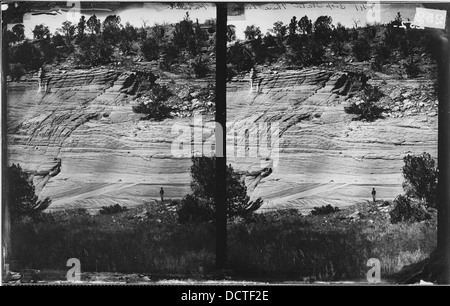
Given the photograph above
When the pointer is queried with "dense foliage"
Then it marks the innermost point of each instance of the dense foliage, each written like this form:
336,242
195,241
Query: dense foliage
91,42
22,199
200,206
303,42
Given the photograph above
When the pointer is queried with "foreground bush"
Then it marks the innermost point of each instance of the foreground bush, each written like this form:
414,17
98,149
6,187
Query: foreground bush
200,206
195,209
277,245
200,67
406,210
112,243
421,178
294,249
112,209
412,68
324,210
22,199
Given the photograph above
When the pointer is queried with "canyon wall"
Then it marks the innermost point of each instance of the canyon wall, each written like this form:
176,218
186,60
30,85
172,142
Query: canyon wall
86,148
84,145
326,157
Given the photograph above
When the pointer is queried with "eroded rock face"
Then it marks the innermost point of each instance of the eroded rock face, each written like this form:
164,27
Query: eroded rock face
85,146
324,156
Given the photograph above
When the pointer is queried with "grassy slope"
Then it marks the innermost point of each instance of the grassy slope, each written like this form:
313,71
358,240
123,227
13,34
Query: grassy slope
277,246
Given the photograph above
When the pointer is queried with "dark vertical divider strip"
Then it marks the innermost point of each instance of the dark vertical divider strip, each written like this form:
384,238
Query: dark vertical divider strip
220,197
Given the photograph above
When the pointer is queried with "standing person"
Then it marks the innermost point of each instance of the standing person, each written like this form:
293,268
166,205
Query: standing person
161,193
373,194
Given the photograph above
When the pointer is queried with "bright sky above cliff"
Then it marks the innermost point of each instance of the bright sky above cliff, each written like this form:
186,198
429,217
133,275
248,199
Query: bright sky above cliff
262,15
135,13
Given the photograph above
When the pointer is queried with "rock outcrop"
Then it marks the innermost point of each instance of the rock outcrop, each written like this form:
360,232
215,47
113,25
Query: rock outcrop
86,148
324,156
84,145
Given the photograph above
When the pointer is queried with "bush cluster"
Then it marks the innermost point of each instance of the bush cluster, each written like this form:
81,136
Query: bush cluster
407,210
112,209
155,105
324,210
367,109
200,205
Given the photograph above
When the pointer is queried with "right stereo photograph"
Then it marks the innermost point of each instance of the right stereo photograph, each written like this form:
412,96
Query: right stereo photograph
332,122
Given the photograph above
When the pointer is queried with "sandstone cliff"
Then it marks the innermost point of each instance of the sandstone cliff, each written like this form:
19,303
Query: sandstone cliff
325,157
84,145
86,148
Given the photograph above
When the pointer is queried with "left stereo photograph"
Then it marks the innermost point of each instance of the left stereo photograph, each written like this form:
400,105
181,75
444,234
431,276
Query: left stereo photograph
109,129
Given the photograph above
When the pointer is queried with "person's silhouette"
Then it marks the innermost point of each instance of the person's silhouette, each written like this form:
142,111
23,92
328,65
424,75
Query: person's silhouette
161,193
374,193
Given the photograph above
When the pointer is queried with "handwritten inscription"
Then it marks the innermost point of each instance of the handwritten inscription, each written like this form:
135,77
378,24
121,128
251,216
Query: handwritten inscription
187,6
330,6
283,6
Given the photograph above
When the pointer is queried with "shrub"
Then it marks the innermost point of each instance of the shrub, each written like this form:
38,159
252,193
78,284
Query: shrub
112,209
48,51
365,110
16,71
27,54
150,48
361,50
154,107
195,209
382,55
252,32
305,51
324,210
368,109
169,55
22,199
240,57
323,29
406,210
111,29
411,68
94,51
203,185
421,178
377,64
200,67
383,52
231,72
41,32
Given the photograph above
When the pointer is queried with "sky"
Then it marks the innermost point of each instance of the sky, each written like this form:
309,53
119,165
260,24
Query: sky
265,15
261,15
135,13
